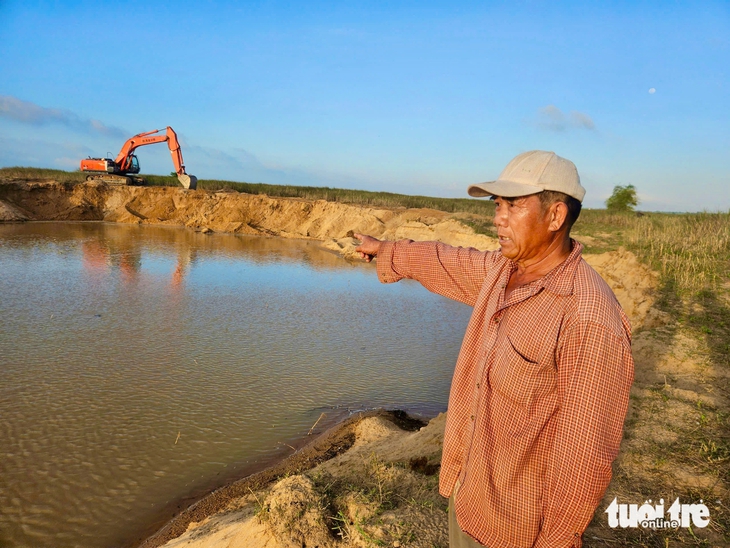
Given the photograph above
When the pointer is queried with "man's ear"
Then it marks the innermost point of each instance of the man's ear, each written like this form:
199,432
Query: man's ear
557,213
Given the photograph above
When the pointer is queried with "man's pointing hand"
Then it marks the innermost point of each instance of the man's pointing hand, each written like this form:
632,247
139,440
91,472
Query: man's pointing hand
369,247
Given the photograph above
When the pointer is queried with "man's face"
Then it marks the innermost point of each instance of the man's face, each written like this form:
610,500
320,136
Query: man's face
522,227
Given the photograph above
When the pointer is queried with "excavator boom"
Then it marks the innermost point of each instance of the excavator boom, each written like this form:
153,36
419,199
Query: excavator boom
126,161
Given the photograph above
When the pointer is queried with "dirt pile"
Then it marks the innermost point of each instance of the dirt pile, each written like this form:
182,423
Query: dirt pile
10,213
297,514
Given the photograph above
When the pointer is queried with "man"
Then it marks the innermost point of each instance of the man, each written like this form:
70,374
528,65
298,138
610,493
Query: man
541,385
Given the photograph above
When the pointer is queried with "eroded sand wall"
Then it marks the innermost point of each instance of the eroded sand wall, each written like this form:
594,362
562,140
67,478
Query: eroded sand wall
230,212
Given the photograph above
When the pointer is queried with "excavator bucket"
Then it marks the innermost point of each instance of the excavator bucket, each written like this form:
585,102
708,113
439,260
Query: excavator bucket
188,181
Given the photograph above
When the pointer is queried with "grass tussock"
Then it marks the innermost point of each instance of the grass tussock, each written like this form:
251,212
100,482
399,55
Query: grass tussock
375,508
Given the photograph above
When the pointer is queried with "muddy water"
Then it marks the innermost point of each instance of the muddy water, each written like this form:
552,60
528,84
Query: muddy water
142,365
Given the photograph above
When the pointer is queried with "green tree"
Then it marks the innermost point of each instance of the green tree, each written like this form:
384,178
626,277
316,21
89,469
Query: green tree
623,198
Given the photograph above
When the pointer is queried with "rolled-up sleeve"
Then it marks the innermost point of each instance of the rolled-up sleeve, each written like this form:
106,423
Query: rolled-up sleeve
595,372
454,272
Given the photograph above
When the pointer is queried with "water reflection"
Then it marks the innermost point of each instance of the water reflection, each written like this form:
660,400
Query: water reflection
140,365
101,256
184,260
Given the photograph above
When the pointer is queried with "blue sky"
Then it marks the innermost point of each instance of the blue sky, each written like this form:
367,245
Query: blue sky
413,97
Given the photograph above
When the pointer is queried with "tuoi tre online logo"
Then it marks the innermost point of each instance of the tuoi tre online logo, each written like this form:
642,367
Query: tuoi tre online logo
654,517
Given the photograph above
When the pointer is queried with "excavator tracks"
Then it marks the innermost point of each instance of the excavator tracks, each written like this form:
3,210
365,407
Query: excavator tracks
116,180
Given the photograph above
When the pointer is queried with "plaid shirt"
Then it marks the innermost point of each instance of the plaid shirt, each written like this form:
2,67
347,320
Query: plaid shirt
539,394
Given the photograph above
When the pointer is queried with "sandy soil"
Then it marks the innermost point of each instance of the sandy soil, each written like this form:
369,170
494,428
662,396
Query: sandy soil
369,482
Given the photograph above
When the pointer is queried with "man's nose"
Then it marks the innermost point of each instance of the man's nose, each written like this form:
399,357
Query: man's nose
500,217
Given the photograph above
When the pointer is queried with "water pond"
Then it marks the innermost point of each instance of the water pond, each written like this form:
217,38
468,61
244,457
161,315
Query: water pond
143,365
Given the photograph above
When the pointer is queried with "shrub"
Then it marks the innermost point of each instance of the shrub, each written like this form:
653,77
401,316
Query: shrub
623,198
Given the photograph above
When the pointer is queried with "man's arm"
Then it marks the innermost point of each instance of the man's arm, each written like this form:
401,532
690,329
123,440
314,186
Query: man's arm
595,372
454,272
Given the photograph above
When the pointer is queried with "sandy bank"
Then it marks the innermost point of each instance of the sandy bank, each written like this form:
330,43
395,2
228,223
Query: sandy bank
332,223
379,488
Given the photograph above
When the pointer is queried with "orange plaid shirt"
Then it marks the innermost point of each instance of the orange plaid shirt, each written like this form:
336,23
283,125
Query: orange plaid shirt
539,393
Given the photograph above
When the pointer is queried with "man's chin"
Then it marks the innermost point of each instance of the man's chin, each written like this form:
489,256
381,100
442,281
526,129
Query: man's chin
507,251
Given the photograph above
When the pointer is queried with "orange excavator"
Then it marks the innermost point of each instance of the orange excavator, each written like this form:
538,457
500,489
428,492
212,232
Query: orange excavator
117,171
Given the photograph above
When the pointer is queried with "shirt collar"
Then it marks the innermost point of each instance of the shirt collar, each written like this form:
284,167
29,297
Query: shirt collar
560,279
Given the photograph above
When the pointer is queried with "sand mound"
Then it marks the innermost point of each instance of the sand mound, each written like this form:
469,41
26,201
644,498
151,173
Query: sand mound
228,530
633,284
296,514
10,213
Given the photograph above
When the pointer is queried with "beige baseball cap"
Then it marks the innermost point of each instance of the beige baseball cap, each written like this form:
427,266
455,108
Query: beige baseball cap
532,172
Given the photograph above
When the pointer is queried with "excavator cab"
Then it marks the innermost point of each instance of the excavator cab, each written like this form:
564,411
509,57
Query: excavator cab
133,164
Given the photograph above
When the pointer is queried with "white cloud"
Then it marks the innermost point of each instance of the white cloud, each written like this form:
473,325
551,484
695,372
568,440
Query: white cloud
41,153
66,163
551,118
581,120
29,113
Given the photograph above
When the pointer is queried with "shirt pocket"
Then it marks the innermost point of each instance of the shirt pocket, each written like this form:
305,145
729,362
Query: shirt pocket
518,384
